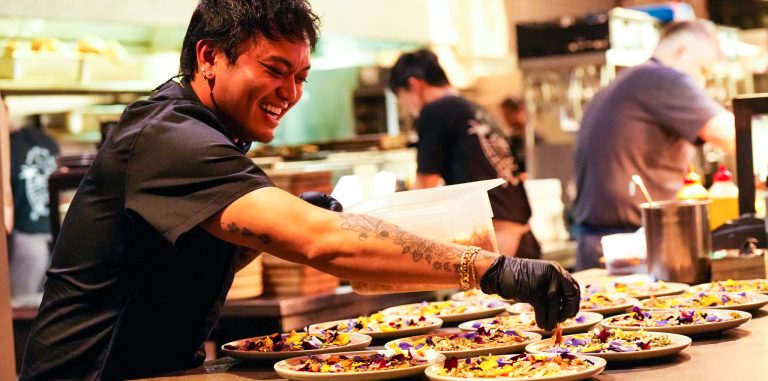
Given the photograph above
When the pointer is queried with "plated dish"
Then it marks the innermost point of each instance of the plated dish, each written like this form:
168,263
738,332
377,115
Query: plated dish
357,366
475,294
551,367
615,344
465,344
606,304
380,326
636,289
730,285
450,310
742,301
527,322
681,320
282,346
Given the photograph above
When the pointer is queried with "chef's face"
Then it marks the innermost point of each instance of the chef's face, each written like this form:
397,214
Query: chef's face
265,81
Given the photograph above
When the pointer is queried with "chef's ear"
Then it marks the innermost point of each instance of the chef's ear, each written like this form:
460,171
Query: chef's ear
206,55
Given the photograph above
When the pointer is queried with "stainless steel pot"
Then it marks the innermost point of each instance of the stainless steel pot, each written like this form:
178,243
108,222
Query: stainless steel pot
678,240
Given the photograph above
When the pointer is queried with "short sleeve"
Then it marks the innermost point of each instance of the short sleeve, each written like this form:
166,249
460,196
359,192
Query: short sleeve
180,175
682,106
433,142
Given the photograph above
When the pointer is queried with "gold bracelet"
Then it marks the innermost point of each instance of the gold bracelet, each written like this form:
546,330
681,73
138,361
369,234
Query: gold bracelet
467,268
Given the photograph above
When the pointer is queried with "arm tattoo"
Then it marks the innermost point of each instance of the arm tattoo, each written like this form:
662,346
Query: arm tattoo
442,257
245,232
264,238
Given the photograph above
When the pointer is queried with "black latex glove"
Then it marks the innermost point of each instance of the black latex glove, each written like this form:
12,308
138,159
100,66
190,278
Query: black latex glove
551,290
322,200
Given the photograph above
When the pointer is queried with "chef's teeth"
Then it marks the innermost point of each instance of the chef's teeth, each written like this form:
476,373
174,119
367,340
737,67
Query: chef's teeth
271,109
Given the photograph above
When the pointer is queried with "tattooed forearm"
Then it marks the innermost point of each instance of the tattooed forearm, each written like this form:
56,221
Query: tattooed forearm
441,256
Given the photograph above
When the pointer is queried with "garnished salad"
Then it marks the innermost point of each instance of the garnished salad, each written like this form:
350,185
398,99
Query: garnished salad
599,300
730,285
481,338
601,340
639,288
700,300
475,294
295,341
365,362
378,322
448,307
523,365
523,322
640,318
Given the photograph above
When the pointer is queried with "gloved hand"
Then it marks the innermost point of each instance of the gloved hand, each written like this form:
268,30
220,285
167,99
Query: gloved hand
551,290
322,200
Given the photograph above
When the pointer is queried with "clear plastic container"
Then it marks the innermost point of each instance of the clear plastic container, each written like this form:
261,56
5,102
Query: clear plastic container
455,213
625,253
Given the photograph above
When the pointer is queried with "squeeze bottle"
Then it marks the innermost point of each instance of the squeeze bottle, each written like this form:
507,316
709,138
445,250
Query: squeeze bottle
724,194
692,188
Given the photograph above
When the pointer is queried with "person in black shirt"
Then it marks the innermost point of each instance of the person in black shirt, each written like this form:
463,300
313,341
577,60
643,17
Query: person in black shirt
154,234
33,159
516,116
460,142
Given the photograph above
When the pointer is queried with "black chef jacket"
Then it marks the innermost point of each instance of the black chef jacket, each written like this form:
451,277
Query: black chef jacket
135,286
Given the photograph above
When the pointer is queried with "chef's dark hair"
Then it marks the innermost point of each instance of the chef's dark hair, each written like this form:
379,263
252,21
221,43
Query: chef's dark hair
230,23
512,103
421,64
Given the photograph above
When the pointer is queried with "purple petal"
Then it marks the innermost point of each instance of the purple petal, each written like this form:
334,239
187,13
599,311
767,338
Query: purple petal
477,325
581,318
404,346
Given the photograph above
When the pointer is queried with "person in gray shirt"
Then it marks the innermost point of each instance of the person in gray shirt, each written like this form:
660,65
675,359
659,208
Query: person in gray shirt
647,122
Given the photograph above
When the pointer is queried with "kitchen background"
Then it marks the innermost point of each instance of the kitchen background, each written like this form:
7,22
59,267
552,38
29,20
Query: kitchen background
72,66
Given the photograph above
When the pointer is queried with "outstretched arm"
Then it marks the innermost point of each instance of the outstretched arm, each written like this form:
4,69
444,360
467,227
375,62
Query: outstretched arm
352,246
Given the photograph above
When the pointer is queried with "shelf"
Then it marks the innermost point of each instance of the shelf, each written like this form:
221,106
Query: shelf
11,87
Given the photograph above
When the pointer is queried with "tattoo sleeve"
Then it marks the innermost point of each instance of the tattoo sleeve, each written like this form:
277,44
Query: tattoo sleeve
441,256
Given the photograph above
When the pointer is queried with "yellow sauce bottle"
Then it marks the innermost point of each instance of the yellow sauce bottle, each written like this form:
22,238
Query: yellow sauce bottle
692,188
724,194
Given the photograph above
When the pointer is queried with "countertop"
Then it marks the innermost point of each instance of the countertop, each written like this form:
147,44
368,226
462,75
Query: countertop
735,354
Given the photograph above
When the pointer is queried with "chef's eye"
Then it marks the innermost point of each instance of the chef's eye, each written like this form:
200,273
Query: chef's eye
275,71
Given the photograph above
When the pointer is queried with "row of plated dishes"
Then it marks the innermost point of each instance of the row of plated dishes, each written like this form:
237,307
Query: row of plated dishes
490,344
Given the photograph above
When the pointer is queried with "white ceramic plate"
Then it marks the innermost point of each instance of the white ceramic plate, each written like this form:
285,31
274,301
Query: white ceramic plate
357,341
679,342
689,329
475,310
759,286
432,323
639,289
599,366
522,322
286,368
520,308
518,347
758,301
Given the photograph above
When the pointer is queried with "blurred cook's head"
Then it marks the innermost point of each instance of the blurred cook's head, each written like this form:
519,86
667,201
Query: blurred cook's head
248,60
689,46
513,110
414,77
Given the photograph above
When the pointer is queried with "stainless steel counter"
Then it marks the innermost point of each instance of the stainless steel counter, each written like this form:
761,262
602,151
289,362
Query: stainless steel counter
736,354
